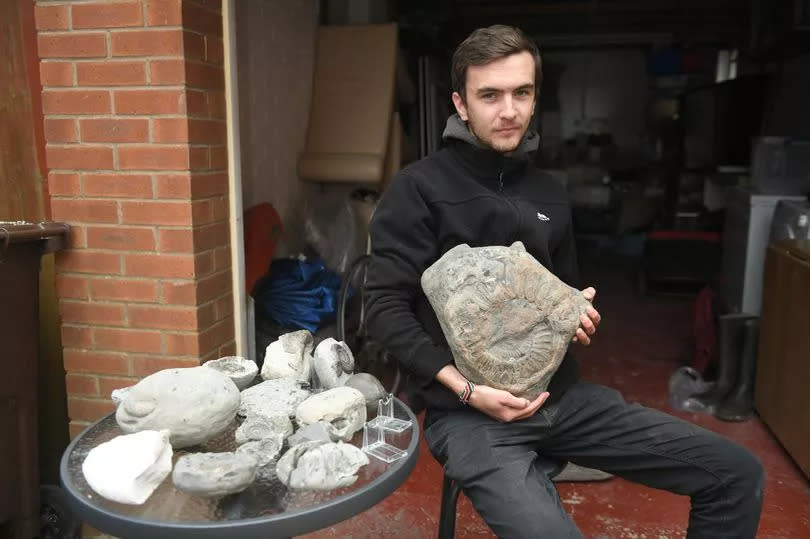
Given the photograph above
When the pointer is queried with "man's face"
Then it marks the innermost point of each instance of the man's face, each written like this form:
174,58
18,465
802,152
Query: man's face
500,101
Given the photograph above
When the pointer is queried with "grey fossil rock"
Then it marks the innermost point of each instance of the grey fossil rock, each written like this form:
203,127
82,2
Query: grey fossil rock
320,465
214,474
370,387
342,408
265,450
241,370
270,397
128,468
333,363
507,319
194,404
257,427
290,356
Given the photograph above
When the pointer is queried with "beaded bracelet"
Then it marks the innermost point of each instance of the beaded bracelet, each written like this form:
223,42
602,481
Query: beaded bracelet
465,394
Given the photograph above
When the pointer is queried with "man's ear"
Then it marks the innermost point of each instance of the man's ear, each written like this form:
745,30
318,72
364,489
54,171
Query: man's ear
461,107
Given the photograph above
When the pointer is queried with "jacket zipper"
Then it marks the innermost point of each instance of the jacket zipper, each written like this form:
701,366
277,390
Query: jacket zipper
510,202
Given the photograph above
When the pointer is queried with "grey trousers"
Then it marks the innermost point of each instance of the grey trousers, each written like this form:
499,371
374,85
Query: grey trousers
593,426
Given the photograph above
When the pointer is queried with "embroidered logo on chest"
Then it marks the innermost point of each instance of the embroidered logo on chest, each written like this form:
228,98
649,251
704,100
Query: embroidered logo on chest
543,217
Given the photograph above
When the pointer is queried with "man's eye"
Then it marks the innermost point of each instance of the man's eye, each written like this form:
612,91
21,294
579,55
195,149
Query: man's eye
523,93
488,96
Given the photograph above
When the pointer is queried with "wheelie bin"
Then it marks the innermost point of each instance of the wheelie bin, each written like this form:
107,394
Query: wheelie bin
21,247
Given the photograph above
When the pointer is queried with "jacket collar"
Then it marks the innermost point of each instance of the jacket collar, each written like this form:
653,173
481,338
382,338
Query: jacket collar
482,162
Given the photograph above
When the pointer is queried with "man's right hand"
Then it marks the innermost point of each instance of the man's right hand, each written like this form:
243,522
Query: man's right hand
502,405
496,403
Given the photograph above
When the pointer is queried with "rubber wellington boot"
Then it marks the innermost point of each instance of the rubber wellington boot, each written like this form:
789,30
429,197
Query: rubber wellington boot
730,339
738,405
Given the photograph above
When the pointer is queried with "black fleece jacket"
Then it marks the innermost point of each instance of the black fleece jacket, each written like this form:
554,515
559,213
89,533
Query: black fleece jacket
460,194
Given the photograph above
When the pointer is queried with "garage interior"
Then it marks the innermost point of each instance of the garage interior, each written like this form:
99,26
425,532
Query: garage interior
681,132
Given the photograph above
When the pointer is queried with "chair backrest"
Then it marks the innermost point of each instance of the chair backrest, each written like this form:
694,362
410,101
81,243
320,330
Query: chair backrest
352,110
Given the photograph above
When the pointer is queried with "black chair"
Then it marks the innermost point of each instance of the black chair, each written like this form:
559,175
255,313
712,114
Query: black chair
451,490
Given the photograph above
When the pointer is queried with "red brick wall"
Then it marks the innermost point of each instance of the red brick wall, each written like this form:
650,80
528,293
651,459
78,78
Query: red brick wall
134,105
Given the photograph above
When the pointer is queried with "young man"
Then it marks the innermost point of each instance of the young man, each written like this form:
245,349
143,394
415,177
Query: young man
482,190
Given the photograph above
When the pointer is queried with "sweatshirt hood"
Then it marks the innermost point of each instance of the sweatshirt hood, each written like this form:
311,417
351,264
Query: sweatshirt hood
456,129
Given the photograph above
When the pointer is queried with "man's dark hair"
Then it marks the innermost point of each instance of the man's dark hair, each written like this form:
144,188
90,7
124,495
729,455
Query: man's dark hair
487,44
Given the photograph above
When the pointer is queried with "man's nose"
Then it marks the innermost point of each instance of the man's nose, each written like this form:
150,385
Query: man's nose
508,111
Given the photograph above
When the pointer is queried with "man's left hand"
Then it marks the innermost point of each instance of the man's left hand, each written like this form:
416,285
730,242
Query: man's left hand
588,321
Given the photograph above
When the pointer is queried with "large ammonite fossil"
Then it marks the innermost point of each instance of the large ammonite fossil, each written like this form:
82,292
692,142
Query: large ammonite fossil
508,319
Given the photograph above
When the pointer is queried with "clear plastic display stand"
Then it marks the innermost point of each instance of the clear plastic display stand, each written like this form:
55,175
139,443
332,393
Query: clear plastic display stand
385,417
374,442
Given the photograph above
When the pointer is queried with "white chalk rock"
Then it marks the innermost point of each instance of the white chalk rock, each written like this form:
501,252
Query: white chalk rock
342,408
272,397
333,363
118,395
241,370
214,474
128,468
289,357
194,404
257,427
320,465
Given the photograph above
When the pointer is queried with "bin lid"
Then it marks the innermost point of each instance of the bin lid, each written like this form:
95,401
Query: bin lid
53,233
798,248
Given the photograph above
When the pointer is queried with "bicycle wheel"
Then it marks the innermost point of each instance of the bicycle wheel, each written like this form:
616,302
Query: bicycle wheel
354,282
369,356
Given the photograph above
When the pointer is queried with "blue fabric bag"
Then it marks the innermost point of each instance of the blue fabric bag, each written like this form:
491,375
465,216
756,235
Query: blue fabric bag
300,294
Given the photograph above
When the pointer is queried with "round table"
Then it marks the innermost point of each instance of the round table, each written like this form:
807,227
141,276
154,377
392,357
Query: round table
265,509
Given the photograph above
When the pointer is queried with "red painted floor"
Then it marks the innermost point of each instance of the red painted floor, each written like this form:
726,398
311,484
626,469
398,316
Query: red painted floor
641,342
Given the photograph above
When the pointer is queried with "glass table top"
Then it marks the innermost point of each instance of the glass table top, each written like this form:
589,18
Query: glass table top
265,500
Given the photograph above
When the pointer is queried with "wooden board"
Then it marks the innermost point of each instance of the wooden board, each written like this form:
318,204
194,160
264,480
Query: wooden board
782,395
